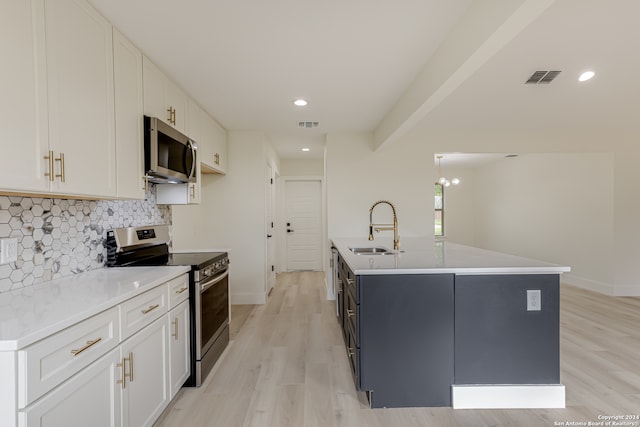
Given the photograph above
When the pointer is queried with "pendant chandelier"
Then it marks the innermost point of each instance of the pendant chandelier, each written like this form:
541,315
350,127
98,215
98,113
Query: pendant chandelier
442,179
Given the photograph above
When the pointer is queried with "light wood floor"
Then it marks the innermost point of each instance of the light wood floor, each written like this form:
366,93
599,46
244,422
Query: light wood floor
286,366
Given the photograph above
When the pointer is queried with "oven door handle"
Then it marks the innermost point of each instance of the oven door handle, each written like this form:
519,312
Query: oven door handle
206,285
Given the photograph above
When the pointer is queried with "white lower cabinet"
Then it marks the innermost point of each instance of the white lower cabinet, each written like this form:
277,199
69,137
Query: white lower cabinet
179,347
145,393
96,373
90,398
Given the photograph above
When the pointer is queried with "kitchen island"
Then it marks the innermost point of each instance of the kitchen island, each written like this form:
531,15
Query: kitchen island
441,324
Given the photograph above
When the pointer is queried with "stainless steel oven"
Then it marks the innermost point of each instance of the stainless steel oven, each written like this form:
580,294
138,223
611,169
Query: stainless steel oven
208,288
211,316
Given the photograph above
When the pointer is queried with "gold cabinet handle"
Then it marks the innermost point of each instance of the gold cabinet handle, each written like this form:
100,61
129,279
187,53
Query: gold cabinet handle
351,313
181,290
350,281
123,370
150,309
50,174
86,346
61,160
169,112
146,183
122,373
351,352
192,190
216,158
173,116
130,367
175,328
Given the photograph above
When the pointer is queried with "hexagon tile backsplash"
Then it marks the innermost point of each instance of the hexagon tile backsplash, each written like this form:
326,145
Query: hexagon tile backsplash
61,237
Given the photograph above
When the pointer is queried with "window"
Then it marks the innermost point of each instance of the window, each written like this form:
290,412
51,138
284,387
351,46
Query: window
439,209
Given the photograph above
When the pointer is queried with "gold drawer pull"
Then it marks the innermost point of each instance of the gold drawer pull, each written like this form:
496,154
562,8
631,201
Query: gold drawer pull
350,281
151,308
181,290
351,313
86,346
350,352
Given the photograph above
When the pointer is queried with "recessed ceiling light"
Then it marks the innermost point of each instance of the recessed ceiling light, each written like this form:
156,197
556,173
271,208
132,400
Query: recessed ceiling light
306,149
300,102
587,75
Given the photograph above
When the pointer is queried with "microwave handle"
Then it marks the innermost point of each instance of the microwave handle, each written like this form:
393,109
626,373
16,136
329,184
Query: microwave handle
193,147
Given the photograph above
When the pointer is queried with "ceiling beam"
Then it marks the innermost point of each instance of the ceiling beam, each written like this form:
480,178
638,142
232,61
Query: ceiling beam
483,30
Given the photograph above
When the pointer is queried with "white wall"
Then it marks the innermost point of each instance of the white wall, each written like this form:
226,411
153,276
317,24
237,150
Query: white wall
301,167
232,216
459,224
357,177
552,207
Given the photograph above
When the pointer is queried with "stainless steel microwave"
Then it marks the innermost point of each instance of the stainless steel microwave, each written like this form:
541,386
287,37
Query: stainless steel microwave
169,155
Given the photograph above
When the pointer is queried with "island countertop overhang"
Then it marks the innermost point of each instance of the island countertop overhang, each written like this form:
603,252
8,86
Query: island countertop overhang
423,255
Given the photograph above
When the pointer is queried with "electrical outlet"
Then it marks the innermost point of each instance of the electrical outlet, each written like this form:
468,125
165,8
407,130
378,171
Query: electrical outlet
534,301
8,250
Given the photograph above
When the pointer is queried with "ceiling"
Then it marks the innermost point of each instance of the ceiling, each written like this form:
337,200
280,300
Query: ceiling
246,61
360,62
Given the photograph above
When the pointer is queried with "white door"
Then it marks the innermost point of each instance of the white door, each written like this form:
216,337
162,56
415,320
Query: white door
304,224
24,132
81,98
271,235
127,74
179,347
146,392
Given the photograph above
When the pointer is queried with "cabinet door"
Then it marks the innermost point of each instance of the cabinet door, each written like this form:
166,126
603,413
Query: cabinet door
127,70
215,156
154,103
90,398
23,133
81,109
179,347
176,99
146,392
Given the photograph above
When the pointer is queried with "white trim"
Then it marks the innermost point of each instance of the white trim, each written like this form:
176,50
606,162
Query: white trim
591,285
508,396
253,298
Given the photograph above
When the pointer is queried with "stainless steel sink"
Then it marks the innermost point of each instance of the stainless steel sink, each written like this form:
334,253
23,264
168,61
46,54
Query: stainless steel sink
370,251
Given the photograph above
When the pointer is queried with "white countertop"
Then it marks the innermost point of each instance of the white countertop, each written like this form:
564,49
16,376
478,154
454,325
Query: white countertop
419,255
35,312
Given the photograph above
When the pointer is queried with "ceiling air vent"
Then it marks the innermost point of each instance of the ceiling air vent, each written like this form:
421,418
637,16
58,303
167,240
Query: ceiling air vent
542,77
308,125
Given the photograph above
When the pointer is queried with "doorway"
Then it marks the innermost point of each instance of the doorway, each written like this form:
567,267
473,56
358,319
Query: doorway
303,218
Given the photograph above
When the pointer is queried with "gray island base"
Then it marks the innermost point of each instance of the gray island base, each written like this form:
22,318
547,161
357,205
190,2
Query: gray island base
442,334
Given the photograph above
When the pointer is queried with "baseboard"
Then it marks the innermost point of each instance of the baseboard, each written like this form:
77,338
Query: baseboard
248,298
626,291
508,396
330,294
588,284
602,288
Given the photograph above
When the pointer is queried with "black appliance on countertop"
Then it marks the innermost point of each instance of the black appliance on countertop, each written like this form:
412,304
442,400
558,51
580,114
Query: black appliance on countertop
208,288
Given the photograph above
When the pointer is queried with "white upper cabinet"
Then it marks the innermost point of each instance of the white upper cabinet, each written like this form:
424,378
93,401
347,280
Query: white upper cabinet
211,139
216,162
23,129
79,53
127,66
162,98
